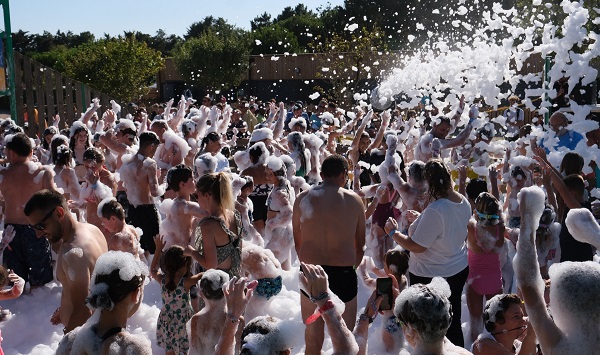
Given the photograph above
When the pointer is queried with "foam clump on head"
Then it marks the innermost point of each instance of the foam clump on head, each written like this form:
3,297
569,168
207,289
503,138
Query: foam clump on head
426,308
266,335
274,163
493,306
216,278
205,164
574,293
126,263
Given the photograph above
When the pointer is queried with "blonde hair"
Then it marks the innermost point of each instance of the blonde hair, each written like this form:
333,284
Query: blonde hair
218,185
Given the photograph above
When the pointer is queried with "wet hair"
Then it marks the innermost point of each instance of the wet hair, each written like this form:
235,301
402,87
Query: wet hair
256,152
171,261
3,276
427,309
56,159
212,136
416,171
62,155
111,288
112,208
575,183
263,327
249,181
44,200
516,171
94,154
397,261
148,138
498,304
295,138
49,131
209,289
543,234
572,163
487,204
20,144
475,187
333,166
525,130
438,177
73,139
178,174
185,127
218,185
13,129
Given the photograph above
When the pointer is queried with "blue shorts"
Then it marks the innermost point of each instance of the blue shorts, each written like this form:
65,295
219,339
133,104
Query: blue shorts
29,256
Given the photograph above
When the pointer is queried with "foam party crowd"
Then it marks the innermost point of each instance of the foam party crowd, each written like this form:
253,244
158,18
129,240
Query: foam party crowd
219,226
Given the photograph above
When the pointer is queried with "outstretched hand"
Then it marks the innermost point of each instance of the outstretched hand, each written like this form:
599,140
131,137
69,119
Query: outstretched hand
313,279
238,294
159,242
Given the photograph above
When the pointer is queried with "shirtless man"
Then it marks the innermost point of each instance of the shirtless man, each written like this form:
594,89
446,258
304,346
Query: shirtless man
81,244
120,141
27,255
180,212
121,236
329,230
427,148
140,179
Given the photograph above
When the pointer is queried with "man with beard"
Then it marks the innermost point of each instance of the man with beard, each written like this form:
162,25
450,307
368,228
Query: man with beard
80,246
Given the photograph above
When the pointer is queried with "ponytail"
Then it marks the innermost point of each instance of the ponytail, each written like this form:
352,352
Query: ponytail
218,185
225,191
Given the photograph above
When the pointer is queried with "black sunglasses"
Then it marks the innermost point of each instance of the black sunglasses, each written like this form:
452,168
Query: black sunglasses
41,224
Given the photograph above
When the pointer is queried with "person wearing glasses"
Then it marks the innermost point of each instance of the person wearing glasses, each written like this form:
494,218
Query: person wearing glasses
567,138
80,245
28,256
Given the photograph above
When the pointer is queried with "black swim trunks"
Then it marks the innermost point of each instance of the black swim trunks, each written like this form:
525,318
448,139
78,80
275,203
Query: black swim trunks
146,218
29,256
342,281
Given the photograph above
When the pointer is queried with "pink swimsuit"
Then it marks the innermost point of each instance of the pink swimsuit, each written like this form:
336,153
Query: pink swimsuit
485,275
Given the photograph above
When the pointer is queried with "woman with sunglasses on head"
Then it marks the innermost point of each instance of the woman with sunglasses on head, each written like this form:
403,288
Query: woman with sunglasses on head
507,330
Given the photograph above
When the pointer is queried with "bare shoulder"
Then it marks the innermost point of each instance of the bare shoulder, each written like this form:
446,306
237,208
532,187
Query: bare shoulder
128,343
486,346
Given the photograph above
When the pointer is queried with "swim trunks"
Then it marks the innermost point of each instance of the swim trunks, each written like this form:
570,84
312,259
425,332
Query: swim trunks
146,218
342,281
29,256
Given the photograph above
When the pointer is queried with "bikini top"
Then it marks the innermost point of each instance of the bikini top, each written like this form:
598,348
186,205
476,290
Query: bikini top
261,190
232,249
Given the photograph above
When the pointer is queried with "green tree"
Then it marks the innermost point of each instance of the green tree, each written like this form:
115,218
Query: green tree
351,65
274,39
214,60
123,68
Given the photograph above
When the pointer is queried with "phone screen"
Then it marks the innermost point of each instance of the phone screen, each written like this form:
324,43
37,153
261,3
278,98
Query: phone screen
384,288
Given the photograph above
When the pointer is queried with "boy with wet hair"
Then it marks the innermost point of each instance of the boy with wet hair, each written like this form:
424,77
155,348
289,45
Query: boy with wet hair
121,236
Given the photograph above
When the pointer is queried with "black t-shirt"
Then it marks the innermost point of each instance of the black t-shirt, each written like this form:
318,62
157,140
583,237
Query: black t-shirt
571,249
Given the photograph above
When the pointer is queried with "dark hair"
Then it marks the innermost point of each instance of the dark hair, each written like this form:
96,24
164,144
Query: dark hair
148,138
505,301
438,177
572,163
93,154
172,260
249,181
259,325
44,200
255,153
399,259
475,187
48,131
113,208
117,290
212,136
416,171
73,139
56,142
487,204
3,276
333,166
178,174
206,286
295,138
543,234
575,183
218,186
20,144
516,171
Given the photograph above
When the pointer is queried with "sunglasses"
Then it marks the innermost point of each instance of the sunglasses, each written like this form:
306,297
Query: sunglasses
41,224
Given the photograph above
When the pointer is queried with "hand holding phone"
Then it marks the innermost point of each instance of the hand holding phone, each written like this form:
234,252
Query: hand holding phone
384,288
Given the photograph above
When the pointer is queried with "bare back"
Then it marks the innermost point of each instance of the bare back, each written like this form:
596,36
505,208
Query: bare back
75,264
258,173
330,223
136,176
18,183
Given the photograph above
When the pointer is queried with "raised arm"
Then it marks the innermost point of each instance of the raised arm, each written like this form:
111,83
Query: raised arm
385,122
353,153
559,184
94,106
527,271
278,129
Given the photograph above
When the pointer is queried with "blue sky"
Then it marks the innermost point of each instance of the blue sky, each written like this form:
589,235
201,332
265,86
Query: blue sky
114,17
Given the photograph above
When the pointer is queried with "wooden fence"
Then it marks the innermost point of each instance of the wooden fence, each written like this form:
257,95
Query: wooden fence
42,92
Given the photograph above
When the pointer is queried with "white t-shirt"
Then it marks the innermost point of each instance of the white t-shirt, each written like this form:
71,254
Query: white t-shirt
442,229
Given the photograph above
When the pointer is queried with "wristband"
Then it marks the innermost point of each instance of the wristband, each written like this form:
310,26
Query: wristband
392,232
365,316
327,306
232,318
320,297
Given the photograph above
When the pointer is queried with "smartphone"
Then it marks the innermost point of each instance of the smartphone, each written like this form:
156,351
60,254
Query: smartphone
384,288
